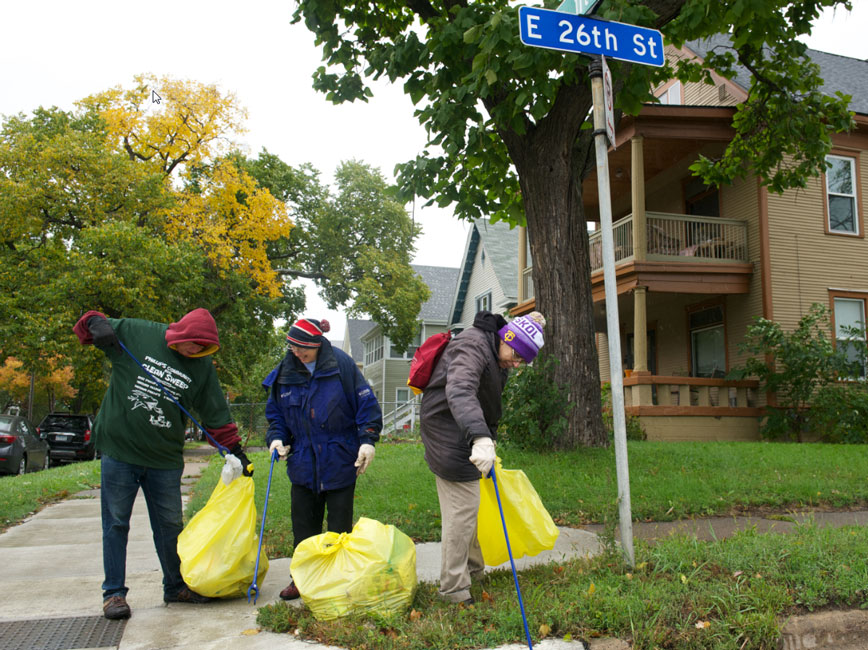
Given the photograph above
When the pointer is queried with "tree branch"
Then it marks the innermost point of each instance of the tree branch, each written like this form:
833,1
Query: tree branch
301,274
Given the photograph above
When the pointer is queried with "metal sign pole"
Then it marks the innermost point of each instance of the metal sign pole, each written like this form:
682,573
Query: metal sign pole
612,320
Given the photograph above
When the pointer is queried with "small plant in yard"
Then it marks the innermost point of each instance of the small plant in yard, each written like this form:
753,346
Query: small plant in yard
633,424
534,407
804,372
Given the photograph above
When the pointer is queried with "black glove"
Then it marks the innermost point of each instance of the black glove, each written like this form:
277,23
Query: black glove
246,465
103,334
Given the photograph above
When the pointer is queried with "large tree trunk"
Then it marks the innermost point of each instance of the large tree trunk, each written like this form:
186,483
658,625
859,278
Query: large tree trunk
550,163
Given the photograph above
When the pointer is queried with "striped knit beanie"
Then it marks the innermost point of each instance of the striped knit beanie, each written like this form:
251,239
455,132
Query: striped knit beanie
307,332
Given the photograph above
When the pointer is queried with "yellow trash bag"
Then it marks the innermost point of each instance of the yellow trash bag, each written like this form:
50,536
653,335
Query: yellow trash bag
218,546
530,527
373,568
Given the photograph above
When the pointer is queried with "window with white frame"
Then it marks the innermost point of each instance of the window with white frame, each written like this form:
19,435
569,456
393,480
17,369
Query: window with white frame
841,194
402,395
671,95
374,349
850,329
483,302
394,353
707,342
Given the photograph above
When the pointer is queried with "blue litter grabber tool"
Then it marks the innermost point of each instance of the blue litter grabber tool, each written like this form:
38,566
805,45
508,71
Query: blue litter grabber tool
253,591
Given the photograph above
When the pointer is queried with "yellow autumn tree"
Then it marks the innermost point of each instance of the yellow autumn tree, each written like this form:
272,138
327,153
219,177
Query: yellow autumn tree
54,384
186,136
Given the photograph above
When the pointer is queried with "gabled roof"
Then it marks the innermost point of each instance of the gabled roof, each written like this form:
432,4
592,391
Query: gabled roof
441,281
500,242
356,329
839,73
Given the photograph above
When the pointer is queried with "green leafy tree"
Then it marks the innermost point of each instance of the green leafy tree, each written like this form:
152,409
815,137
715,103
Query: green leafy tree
355,243
509,135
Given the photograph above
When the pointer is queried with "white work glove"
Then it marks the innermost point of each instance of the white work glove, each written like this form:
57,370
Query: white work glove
282,449
366,455
482,454
231,468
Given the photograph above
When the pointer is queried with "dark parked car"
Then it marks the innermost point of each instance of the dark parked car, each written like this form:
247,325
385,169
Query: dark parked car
68,435
21,450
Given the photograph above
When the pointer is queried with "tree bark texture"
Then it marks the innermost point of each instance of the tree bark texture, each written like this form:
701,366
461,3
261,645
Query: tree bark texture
551,160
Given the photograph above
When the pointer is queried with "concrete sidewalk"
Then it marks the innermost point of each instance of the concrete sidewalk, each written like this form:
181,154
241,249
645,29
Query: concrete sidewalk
53,567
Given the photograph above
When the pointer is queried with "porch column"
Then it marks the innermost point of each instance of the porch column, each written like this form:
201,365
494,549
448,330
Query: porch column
637,191
522,262
642,392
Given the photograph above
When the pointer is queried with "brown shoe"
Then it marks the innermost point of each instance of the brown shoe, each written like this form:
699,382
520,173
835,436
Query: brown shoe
115,608
187,595
290,592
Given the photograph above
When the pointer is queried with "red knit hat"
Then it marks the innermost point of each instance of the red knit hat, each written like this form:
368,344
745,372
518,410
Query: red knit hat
197,326
307,332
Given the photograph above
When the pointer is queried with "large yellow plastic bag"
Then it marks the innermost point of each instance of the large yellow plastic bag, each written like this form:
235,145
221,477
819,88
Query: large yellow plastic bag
373,568
218,546
529,525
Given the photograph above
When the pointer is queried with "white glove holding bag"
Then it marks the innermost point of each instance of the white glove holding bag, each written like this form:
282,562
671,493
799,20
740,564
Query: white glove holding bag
482,454
366,455
231,469
282,449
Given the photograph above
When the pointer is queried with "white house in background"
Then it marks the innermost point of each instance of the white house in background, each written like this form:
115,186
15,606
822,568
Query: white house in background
384,367
488,277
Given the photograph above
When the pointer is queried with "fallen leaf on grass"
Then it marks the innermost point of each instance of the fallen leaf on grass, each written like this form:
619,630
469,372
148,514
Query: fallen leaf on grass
544,630
701,625
486,597
415,615
592,589
737,574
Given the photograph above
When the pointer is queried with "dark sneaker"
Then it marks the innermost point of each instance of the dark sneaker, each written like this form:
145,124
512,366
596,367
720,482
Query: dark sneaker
290,592
187,595
115,608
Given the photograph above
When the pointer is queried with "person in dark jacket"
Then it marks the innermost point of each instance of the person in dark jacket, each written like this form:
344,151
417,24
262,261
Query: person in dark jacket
139,432
324,419
461,407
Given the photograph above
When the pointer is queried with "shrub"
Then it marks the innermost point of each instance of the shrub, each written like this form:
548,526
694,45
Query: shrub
804,371
534,407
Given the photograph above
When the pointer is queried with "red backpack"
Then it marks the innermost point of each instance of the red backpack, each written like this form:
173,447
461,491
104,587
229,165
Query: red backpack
425,360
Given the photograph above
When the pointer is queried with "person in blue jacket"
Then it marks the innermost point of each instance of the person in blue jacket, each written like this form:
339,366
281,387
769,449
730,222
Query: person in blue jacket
324,419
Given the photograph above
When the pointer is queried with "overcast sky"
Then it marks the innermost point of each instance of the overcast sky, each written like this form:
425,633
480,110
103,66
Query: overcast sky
53,52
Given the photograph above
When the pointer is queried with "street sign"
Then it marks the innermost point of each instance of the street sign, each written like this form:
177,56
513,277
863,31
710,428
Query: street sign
556,30
578,6
608,102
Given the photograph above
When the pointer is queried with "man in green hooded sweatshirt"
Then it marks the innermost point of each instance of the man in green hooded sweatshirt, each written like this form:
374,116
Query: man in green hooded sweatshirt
140,434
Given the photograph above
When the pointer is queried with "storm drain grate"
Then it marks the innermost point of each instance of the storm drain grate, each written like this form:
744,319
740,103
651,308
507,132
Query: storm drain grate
61,633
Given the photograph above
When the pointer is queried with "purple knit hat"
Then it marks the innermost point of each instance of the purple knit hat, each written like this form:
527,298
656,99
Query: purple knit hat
524,335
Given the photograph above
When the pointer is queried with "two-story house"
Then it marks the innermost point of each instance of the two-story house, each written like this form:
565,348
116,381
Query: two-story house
696,264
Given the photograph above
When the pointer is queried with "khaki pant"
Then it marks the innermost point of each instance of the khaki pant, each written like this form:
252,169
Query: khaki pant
461,556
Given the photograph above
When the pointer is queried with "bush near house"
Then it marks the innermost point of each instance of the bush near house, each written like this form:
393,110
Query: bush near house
820,387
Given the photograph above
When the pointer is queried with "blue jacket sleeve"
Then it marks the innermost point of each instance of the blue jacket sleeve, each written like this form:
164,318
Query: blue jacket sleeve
277,427
369,417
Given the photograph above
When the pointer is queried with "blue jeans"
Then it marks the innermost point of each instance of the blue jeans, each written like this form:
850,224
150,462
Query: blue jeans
119,485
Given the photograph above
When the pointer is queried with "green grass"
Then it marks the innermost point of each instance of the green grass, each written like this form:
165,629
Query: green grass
23,495
668,481
682,594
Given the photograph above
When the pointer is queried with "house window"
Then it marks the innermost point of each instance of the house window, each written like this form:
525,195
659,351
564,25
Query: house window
850,328
841,203
701,199
707,342
394,353
402,395
373,349
483,302
671,95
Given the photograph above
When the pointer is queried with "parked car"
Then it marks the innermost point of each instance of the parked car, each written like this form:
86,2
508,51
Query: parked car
21,450
68,436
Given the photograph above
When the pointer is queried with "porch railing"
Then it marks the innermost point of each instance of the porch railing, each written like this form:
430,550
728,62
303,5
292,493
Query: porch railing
527,283
674,395
676,237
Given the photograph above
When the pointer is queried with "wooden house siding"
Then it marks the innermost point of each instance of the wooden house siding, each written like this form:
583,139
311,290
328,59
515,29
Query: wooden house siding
482,280
806,261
